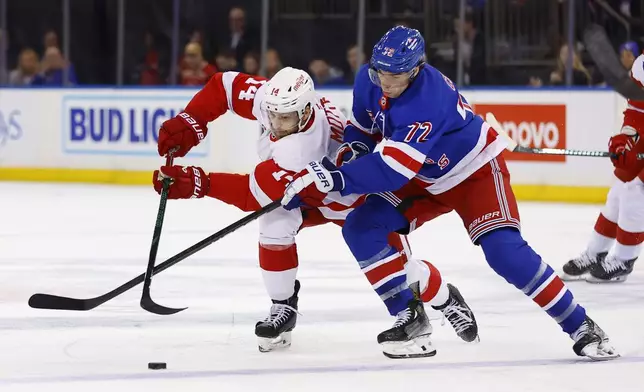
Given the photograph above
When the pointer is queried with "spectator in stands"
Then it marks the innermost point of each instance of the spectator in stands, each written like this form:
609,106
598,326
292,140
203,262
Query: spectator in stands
240,39
325,75
50,40
472,51
628,52
198,36
4,46
53,69
273,63
251,63
195,71
580,75
148,73
355,60
28,67
226,61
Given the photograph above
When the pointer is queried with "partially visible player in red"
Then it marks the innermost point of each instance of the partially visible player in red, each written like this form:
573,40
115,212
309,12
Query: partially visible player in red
298,126
616,242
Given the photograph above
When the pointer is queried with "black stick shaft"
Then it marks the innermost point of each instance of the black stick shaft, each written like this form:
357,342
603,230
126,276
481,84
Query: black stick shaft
49,301
158,226
566,151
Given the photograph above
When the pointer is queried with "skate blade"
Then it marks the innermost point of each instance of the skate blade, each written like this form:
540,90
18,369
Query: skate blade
618,279
281,342
573,278
600,352
419,347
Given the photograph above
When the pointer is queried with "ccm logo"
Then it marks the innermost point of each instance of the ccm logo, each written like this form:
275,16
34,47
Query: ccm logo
194,124
481,219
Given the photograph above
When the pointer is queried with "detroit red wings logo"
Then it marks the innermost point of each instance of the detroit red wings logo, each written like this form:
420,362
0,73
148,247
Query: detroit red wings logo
299,82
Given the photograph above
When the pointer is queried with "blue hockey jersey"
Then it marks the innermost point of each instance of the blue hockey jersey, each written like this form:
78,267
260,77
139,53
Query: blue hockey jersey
430,135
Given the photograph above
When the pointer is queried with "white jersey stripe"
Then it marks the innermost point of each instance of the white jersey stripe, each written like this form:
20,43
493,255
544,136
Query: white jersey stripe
227,79
261,197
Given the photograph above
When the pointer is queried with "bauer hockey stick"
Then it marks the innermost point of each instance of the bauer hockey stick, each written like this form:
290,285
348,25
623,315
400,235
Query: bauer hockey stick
55,302
514,147
147,302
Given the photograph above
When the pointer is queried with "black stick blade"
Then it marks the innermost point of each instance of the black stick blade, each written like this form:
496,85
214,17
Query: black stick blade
48,301
153,307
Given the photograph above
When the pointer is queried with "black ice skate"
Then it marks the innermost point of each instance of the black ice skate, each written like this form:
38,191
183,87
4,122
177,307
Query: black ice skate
459,314
592,342
610,270
577,268
275,331
410,336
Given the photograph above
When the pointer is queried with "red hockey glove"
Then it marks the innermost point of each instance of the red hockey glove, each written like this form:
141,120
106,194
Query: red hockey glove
183,131
348,152
187,182
621,146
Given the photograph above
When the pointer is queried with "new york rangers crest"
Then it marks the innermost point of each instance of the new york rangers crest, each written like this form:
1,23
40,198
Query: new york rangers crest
412,43
389,52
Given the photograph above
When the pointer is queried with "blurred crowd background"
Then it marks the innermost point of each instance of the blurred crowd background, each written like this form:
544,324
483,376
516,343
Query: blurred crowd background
184,42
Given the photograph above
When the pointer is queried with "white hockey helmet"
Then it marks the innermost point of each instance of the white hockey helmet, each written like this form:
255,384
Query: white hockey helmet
289,98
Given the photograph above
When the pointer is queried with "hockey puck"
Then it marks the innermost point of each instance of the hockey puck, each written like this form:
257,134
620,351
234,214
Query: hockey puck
157,365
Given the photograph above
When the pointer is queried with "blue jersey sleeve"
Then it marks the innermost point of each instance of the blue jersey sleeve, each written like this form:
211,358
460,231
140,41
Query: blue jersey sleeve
388,168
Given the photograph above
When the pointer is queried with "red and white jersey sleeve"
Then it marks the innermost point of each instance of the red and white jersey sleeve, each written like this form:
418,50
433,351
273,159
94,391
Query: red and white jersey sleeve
234,91
250,192
266,183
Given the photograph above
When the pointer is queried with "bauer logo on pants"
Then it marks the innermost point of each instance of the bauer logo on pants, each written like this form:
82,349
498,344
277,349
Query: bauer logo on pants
539,126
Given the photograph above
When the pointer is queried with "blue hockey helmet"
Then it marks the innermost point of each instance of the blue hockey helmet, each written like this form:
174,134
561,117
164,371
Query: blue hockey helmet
399,51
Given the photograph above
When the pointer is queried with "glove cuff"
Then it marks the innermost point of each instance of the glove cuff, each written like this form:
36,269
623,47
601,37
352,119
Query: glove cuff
196,125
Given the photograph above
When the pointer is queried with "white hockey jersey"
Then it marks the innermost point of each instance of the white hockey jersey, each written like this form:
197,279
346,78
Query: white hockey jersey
281,159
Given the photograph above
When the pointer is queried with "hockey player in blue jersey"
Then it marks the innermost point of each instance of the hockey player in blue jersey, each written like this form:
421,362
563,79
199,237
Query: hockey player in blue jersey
433,148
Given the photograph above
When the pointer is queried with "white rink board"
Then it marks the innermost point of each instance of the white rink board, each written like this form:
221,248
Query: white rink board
60,128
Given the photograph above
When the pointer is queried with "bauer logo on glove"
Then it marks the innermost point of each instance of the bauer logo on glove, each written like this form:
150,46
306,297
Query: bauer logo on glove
312,184
195,125
323,181
183,132
186,182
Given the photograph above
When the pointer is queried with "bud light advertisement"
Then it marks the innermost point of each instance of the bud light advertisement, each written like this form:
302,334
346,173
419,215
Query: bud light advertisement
119,125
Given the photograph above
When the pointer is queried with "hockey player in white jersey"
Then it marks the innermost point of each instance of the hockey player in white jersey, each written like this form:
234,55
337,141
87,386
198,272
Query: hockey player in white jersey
298,126
616,241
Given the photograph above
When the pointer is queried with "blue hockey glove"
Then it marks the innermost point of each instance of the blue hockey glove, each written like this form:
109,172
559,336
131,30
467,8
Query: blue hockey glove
311,185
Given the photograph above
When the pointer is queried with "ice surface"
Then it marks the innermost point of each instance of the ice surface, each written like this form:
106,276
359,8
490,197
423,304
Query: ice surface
81,241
